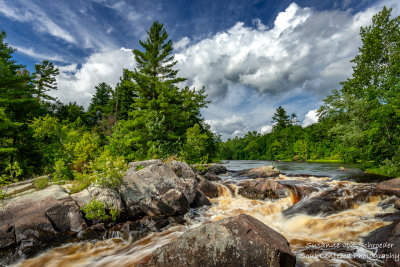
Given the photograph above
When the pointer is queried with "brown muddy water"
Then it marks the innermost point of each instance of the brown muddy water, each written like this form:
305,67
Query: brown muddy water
336,238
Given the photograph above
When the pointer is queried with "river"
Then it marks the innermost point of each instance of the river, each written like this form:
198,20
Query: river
335,238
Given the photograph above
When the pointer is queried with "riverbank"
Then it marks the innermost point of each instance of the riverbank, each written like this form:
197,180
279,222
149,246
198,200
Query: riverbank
304,209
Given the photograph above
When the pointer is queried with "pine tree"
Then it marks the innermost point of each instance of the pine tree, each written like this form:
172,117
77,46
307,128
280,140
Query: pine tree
101,103
17,106
45,80
280,119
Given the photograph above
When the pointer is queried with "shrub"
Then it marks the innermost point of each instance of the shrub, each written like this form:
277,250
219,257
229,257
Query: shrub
96,209
108,171
41,183
61,172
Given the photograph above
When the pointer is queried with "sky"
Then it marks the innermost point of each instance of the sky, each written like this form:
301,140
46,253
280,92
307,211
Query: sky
250,55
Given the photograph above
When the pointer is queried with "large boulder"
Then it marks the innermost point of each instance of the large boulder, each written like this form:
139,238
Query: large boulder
387,240
262,188
35,221
158,189
260,172
389,187
236,241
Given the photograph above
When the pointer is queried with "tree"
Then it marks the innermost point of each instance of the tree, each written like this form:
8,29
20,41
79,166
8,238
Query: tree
366,110
17,106
101,104
280,119
161,112
45,79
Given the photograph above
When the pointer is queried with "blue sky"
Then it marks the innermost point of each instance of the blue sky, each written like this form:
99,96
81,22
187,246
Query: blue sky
251,56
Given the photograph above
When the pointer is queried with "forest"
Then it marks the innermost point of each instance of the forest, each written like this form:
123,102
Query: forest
358,123
150,115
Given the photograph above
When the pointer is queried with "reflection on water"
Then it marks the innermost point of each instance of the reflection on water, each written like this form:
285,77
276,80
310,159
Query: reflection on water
302,231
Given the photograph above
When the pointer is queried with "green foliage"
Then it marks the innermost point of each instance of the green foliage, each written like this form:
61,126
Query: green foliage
108,171
41,183
45,79
96,209
196,143
13,172
365,112
139,167
62,172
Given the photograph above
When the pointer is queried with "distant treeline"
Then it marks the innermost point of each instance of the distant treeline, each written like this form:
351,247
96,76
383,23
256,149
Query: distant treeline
358,123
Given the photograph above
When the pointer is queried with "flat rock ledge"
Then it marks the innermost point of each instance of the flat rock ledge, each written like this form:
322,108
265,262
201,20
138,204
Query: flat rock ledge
236,241
153,196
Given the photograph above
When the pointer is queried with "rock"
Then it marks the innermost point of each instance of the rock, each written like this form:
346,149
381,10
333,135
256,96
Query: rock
109,196
237,241
177,200
94,232
155,224
39,220
387,202
134,231
144,190
82,198
137,165
262,188
389,187
207,188
387,240
200,200
156,208
211,176
397,204
330,201
182,169
213,167
260,172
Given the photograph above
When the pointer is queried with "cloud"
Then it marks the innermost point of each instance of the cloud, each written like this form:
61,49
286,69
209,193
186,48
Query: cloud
310,118
249,71
79,84
33,14
32,53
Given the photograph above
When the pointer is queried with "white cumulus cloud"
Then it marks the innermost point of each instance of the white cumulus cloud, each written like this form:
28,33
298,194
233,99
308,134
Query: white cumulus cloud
78,84
310,118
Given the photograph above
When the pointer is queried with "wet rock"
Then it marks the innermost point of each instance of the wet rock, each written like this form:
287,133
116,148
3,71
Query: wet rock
260,172
389,217
397,204
387,202
144,190
94,232
30,223
331,201
262,188
155,224
200,200
236,241
134,231
389,187
387,240
207,188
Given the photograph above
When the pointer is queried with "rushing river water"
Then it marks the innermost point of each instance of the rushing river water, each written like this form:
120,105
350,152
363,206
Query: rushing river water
341,232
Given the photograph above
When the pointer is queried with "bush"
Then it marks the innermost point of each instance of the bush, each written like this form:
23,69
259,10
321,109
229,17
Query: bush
61,172
41,183
96,209
108,171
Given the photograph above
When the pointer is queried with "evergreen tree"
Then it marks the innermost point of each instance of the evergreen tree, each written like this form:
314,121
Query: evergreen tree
101,105
161,112
17,106
45,79
280,119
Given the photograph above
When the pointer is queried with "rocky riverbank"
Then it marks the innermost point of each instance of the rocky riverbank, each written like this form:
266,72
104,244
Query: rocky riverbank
156,196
